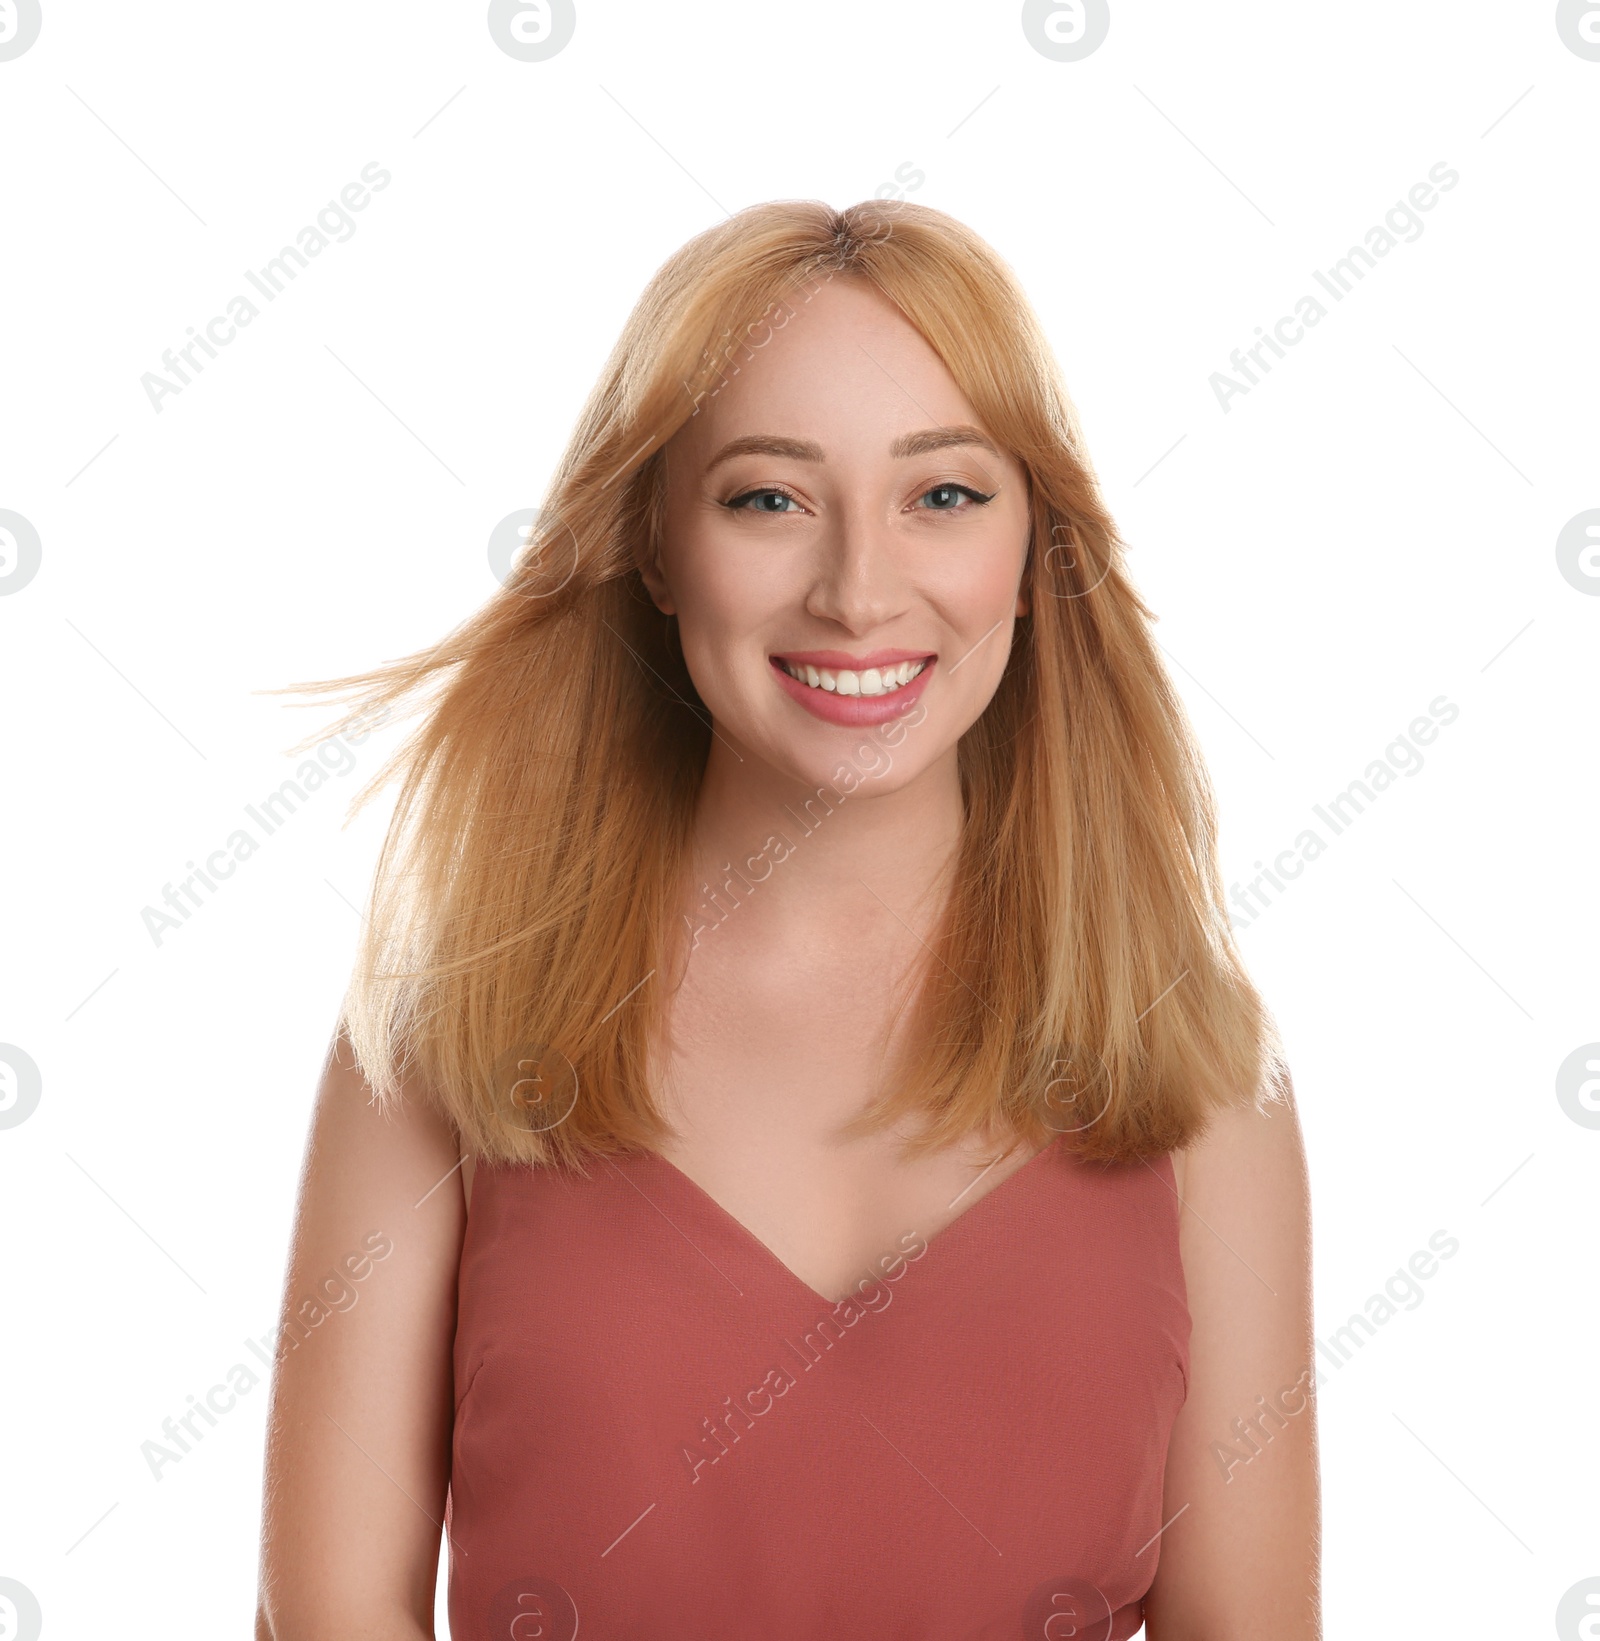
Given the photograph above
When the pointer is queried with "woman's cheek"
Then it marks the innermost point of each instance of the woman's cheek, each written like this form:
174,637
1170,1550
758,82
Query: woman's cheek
981,597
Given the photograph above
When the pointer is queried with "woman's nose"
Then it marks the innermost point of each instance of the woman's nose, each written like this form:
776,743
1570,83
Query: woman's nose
858,581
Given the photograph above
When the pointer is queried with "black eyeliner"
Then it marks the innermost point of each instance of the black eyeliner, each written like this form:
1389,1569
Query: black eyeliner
761,490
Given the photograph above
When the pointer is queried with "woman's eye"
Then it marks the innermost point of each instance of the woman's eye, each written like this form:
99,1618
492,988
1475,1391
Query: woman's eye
763,498
945,498
941,498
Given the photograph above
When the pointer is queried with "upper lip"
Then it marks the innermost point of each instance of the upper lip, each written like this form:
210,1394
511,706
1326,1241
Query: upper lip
839,660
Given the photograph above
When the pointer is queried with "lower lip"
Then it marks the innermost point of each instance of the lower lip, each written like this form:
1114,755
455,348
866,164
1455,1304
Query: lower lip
854,711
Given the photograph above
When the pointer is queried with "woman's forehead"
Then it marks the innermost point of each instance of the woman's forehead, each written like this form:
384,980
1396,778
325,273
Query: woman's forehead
854,377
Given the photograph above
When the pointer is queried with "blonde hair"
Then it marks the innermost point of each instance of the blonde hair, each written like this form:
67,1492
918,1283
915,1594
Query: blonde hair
528,896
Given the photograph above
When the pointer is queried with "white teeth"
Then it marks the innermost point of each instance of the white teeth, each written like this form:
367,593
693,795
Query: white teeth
873,681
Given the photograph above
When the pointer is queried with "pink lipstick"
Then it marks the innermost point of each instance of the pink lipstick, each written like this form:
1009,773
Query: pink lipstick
854,690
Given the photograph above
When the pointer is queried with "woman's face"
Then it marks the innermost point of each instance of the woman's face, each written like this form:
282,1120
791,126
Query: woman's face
843,546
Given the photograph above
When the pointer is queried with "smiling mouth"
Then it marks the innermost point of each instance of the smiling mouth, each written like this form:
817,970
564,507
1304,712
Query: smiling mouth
843,681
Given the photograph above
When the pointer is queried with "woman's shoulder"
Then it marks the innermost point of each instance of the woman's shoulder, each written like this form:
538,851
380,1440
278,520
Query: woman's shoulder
1250,1147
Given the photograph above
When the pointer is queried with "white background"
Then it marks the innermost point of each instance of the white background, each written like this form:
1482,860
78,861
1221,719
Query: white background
1371,527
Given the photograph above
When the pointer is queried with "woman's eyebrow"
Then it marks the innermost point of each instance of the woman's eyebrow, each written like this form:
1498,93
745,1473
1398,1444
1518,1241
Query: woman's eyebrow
804,450
941,438
767,444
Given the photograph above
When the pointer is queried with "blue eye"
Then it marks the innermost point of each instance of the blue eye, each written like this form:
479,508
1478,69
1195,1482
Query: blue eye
773,502
952,491
737,504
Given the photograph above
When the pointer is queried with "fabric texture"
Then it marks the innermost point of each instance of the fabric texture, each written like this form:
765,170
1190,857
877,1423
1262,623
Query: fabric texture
662,1432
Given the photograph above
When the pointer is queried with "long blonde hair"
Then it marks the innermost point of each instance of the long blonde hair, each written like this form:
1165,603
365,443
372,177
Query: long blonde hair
528,898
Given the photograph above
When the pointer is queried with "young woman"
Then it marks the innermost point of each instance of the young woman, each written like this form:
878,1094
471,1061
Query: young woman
838,1179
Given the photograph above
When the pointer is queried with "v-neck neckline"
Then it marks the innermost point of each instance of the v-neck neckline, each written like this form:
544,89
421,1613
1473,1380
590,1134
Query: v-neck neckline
710,1205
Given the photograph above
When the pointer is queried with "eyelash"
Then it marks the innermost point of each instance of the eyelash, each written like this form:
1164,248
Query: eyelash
735,504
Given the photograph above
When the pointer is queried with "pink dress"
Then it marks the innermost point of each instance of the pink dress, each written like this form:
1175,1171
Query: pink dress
661,1432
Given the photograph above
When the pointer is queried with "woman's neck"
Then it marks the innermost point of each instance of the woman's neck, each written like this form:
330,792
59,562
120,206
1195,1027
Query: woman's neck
799,862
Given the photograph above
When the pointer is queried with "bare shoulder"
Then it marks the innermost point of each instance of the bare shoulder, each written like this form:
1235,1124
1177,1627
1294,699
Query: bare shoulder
1241,1556
384,1155
1255,1148
362,1397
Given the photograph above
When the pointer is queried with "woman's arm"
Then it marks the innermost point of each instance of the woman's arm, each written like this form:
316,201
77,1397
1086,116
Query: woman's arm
1240,1562
358,1442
